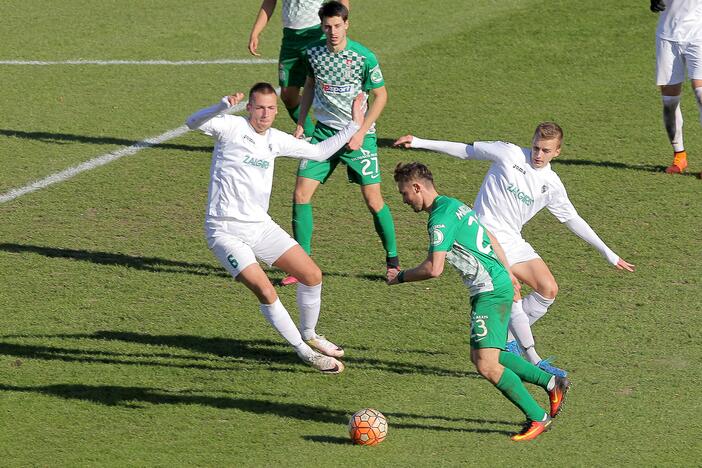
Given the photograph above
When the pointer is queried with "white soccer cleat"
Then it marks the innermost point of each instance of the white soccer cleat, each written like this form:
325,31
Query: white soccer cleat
324,364
324,346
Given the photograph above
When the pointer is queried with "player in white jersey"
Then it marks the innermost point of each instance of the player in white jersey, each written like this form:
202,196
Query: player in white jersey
678,46
519,183
239,229
301,27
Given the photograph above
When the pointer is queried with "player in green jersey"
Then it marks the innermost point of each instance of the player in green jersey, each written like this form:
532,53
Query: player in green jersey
338,69
300,28
457,237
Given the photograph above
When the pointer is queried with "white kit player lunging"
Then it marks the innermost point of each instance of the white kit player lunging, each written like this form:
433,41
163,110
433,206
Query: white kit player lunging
518,185
239,229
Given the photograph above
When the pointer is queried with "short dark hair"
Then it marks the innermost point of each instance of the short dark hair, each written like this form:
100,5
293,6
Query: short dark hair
333,8
413,171
262,88
549,131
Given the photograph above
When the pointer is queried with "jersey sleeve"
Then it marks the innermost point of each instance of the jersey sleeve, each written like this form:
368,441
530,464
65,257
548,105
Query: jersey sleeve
494,150
210,120
301,149
442,231
559,205
372,76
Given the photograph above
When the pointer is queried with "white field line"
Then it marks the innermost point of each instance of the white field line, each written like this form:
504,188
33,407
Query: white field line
141,62
101,161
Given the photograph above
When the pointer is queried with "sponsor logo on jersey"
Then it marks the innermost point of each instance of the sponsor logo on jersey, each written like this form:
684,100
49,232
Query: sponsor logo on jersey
336,89
376,75
249,139
544,189
520,169
520,195
262,163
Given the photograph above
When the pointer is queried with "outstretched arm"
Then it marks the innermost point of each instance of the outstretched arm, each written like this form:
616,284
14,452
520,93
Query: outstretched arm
323,150
457,150
583,230
432,267
264,15
197,119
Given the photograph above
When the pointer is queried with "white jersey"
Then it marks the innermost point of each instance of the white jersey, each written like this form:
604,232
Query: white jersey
241,174
681,21
513,191
301,14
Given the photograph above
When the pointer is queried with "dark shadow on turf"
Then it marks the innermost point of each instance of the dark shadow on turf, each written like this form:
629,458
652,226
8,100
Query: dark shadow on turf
65,138
152,264
266,351
134,397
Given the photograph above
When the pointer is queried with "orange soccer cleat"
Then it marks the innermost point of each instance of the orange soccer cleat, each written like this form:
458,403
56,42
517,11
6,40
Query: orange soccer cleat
532,429
679,163
558,394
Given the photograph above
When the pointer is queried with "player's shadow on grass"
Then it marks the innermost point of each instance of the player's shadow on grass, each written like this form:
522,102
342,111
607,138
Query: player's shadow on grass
213,353
138,397
152,264
65,138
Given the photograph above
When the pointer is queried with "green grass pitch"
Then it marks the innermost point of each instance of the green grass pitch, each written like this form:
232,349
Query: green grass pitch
124,343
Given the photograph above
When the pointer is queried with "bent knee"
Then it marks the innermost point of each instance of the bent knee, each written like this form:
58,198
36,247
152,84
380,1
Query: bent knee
312,277
549,289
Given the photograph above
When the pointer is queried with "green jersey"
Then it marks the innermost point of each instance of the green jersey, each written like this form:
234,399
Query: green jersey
339,77
454,228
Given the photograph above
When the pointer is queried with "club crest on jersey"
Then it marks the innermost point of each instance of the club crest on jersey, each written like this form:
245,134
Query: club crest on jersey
376,75
437,237
336,89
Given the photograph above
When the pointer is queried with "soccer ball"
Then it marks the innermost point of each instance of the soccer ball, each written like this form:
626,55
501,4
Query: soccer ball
368,427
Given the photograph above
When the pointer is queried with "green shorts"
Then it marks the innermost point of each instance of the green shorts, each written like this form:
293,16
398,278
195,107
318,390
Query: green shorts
489,318
291,65
361,165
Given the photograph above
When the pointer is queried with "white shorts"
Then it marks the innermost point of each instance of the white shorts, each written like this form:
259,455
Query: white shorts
517,250
238,244
673,57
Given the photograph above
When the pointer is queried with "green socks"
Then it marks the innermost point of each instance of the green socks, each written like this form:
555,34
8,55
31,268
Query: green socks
385,227
512,387
526,371
308,126
303,224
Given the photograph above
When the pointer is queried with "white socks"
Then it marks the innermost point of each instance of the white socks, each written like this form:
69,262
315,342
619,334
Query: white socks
673,120
278,316
535,306
309,301
519,328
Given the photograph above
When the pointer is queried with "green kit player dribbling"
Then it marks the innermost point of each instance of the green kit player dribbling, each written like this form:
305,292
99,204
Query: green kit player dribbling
457,236
337,70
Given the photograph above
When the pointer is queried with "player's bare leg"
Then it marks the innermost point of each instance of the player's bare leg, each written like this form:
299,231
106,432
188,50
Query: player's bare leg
255,279
383,222
298,264
673,121
537,275
302,220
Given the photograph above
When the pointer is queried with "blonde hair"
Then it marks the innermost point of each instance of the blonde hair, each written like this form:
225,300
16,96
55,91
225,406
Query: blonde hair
549,131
